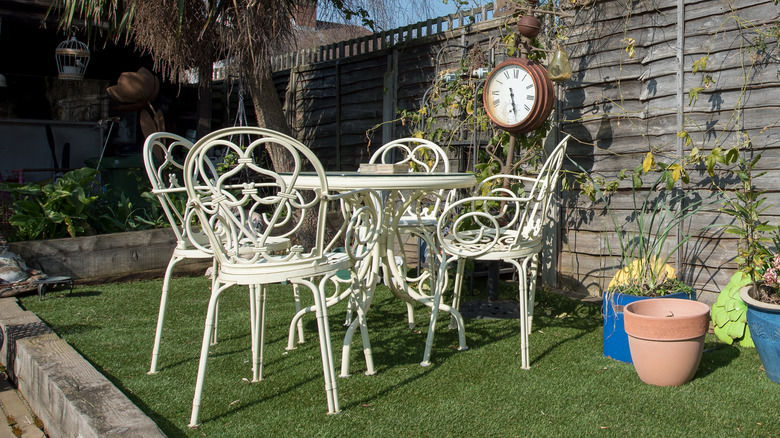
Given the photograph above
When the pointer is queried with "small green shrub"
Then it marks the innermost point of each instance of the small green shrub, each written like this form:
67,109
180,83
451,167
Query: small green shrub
70,206
57,209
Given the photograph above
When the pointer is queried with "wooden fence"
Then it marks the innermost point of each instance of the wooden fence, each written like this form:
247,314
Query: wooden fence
629,95
628,98
437,27
336,94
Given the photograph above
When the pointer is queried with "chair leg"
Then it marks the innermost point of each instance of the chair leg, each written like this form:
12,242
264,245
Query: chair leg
216,315
253,334
326,351
296,321
410,315
299,325
204,353
350,308
534,261
457,290
161,314
259,341
360,302
216,324
436,303
525,327
257,296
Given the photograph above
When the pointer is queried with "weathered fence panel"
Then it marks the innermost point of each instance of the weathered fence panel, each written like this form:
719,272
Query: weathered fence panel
623,102
336,94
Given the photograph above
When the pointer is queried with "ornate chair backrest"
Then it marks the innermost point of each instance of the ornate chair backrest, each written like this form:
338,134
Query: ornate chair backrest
242,203
542,191
164,154
543,188
421,156
505,204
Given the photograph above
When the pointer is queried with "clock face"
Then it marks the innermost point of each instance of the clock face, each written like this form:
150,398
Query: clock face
510,94
518,95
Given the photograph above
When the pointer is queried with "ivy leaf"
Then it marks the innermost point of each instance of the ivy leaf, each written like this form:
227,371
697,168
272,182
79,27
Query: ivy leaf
648,163
731,156
637,181
699,65
693,95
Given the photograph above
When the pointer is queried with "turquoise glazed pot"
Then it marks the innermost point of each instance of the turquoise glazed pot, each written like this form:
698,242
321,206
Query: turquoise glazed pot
764,323
615,337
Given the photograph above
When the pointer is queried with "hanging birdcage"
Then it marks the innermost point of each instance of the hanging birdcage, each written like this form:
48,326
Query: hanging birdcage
72,59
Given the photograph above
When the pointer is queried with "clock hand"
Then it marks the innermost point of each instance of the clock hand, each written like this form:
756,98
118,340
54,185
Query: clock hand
512,97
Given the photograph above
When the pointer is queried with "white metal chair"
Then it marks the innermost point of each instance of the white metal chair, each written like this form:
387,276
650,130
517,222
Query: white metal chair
164,155
226,200
503,222
422,156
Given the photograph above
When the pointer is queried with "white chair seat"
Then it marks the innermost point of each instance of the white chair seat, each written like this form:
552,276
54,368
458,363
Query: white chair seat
507,246
277,272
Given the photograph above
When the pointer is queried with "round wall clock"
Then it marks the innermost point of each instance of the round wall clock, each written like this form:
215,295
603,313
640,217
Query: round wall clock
518,95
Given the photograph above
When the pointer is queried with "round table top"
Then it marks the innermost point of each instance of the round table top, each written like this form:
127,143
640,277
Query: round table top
389,181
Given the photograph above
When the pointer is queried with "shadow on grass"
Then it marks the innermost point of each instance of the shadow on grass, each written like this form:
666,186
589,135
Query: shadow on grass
551,310
716,355
77,293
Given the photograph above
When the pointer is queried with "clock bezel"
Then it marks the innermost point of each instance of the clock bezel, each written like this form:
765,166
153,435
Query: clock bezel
543,96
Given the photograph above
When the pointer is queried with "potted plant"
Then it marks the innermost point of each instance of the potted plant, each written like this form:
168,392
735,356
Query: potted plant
763,318
762,297
757,302
644,271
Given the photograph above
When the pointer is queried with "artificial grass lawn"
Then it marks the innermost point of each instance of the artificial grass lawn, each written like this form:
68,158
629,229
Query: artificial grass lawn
571,390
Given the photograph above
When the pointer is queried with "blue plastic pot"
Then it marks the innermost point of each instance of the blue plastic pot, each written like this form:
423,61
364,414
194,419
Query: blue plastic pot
615,337
764,324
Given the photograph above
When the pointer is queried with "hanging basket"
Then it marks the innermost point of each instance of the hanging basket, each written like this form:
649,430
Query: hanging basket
72,59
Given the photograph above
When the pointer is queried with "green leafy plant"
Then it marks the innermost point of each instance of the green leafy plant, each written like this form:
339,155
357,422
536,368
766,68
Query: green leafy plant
71,207
57,209
745,206
768,287
123,215
642,248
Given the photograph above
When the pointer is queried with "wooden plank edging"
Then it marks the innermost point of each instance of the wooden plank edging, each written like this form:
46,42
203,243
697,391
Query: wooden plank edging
67,393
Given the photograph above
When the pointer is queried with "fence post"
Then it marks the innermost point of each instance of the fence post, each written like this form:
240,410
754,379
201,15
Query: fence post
389,98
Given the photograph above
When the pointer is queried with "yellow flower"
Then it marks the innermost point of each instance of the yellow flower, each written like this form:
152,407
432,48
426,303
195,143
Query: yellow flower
636,271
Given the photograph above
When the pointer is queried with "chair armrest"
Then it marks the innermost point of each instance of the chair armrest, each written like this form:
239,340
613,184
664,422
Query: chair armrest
487,220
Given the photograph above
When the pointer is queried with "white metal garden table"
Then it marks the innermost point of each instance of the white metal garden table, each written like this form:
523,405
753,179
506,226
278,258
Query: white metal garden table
401,190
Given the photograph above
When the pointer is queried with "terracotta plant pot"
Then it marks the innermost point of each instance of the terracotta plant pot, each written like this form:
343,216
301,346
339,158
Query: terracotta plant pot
615,344
666,338
764,324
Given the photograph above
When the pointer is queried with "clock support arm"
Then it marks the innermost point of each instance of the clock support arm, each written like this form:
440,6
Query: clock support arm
509,166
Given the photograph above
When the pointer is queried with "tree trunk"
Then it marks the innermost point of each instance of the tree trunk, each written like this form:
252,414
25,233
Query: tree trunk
270,114
204,101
